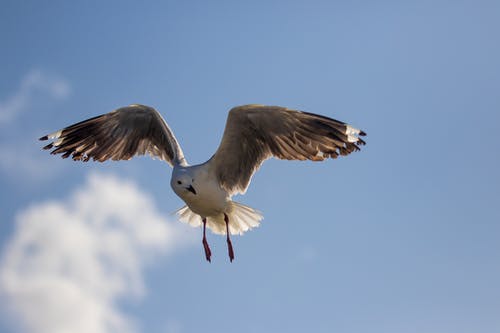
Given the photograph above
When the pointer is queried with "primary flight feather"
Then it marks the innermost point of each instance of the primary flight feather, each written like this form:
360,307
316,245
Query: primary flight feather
253,134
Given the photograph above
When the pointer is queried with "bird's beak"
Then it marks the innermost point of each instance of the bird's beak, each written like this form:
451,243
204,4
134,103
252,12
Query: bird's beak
191,189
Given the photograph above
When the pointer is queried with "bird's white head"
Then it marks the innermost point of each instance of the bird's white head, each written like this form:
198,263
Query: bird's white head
182,182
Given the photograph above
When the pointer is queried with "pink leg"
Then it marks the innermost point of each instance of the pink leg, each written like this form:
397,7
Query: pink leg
229,244
208,253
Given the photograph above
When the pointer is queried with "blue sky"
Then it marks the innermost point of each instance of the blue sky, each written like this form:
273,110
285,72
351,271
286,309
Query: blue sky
403,236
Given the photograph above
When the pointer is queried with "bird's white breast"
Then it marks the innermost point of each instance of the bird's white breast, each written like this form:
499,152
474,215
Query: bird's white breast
210,199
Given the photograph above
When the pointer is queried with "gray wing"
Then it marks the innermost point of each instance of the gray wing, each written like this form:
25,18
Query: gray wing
254,133
118,135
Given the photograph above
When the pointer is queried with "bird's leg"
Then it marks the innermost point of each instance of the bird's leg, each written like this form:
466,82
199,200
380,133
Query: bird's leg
208,253
229,244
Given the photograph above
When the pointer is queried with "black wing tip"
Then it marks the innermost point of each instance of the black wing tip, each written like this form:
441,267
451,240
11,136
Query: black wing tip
49,146
67,154
44,138
362,133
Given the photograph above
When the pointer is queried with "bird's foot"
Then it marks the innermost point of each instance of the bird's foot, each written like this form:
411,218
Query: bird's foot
230,249
208,253
229,244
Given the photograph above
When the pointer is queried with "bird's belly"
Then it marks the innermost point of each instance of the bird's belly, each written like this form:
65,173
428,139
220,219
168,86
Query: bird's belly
207,204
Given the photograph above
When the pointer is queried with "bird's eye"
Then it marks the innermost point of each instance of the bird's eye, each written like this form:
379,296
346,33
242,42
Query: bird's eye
179,182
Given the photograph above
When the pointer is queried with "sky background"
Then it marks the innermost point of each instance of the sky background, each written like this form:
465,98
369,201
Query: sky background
403,236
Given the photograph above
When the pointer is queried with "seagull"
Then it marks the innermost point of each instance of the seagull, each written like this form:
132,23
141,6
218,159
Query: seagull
253,133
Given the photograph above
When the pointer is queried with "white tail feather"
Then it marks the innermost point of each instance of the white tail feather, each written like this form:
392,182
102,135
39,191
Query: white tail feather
241,219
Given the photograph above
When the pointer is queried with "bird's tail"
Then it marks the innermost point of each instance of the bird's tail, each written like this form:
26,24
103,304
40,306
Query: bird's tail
241,218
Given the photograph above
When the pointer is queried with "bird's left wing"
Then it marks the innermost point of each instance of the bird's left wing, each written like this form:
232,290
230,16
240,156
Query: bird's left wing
254,133
118,135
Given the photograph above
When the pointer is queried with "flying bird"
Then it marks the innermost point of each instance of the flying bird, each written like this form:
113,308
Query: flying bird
253,134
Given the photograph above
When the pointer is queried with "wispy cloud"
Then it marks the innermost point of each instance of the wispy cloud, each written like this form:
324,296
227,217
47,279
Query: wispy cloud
70,261
21,162
36,80
18,149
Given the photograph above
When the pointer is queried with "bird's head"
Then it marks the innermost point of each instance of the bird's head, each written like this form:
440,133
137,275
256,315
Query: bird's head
183,183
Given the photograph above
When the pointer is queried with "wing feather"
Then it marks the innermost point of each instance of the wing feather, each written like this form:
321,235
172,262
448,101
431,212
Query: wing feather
255,133
118,135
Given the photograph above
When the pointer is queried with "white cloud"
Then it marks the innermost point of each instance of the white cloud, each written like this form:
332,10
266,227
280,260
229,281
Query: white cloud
20,154
21,161
69,262
36,80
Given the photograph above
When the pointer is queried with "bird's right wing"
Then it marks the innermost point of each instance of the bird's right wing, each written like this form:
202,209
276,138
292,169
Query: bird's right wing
118,135
254,133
